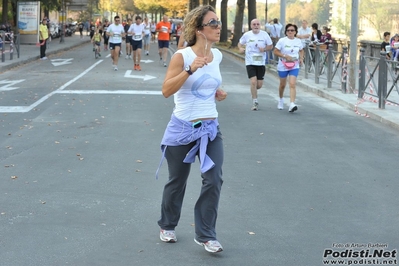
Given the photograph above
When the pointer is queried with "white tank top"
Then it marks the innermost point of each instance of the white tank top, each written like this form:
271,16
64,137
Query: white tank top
196,98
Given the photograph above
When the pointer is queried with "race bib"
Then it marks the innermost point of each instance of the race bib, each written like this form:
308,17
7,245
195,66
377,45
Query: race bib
257,58
137,37
117,37
164,29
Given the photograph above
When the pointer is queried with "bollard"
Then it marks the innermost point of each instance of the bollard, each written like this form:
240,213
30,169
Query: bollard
344,69
362,72
307,59
18,46
330,64
3,38
11,45
317,64
382,80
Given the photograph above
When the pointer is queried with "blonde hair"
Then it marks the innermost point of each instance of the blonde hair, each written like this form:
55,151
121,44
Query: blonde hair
194,21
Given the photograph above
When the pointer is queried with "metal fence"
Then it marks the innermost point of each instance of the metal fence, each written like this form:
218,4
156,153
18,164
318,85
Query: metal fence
327,64
378,76
13,42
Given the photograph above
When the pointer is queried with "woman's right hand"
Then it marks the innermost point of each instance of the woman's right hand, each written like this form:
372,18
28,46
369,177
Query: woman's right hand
198,62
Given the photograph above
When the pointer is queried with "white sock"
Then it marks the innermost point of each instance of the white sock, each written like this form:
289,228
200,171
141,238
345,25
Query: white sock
254,100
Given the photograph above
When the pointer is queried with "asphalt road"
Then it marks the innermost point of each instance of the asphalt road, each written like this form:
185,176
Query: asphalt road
80,147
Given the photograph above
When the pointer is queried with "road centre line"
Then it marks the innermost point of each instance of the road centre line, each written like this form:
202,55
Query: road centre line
24,109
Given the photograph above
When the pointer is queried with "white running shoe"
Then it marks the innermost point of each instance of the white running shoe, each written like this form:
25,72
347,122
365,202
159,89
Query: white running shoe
280,105
293,107
212,246
168,236
127,57
255,107
116,68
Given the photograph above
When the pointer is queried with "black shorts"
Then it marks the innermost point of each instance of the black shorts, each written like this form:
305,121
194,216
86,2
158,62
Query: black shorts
128,39
256,71
113,45
163,44
137,44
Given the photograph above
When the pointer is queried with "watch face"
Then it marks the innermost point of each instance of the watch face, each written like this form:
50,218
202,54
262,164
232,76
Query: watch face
187,68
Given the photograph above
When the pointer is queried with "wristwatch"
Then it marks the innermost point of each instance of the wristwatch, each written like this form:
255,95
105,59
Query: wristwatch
188,70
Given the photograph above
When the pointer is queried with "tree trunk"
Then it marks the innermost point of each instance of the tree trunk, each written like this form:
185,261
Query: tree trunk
238,22
4,17
205,2
194,4
223,19
212,3
251,12
14,7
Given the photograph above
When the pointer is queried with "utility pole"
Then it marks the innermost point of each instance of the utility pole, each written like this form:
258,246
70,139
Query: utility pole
282,15
353,45
62,22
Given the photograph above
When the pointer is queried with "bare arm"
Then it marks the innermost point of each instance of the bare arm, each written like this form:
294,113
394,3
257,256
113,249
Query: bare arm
175,76
241,47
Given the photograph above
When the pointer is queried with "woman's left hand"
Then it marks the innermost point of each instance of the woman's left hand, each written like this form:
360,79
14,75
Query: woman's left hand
220,95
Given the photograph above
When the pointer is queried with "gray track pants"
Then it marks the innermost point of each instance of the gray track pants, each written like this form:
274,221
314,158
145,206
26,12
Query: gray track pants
206,207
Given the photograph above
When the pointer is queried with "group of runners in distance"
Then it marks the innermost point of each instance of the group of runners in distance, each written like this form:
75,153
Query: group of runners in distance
254,44
137,35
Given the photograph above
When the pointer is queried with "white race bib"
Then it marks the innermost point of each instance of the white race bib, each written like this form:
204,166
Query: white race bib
117,37
257,58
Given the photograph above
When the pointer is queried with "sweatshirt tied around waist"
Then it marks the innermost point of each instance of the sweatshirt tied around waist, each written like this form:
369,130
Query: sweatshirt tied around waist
180,132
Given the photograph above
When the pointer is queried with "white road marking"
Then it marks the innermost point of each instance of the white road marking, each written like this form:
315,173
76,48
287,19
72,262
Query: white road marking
24,109
8,84
60,62
128,74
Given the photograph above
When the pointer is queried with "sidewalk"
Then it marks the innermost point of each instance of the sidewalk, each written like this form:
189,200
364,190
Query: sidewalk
367,108
29,53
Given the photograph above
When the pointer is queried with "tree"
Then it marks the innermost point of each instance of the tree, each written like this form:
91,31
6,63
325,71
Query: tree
378,16
212,3
223,19
193,4
238,22
4,16
251,12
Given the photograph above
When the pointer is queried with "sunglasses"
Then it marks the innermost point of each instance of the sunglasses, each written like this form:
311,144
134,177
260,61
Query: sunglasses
290,30
214,24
